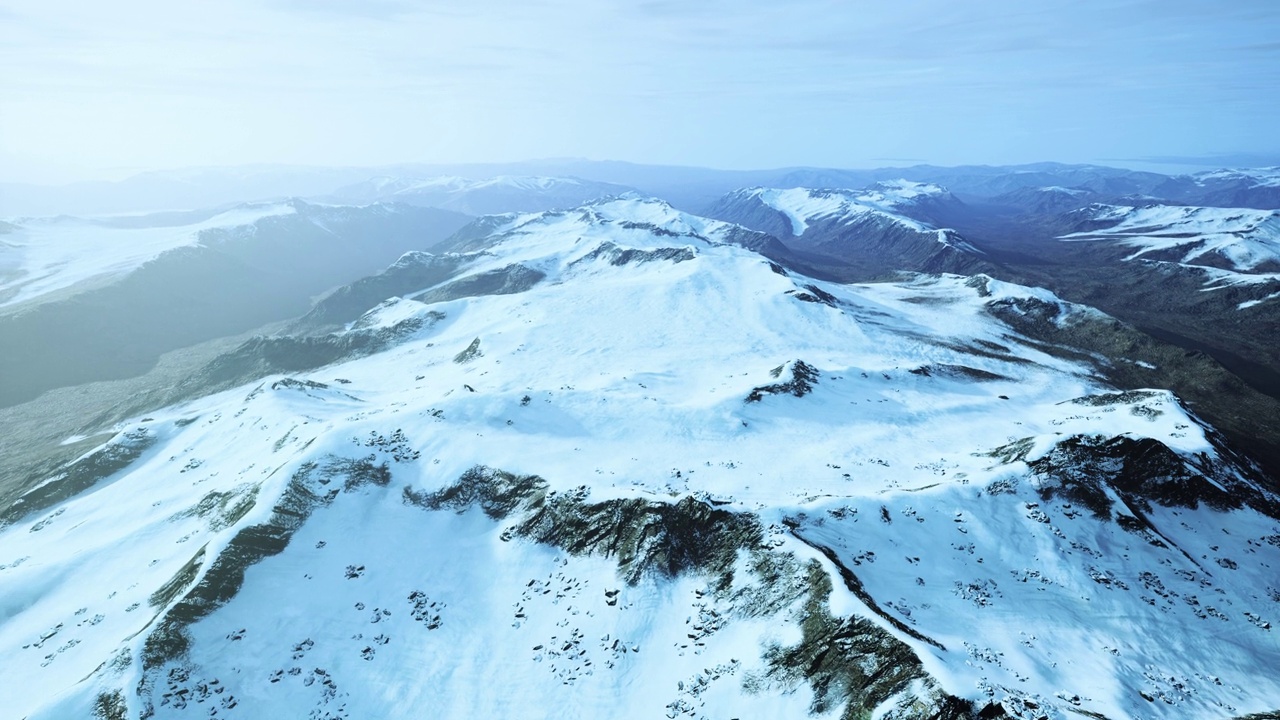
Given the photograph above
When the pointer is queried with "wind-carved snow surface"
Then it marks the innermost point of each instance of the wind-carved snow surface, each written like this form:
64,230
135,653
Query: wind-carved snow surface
944,473
44,255
1241,241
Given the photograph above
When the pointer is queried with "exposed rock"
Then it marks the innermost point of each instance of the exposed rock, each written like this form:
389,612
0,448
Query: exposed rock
803,377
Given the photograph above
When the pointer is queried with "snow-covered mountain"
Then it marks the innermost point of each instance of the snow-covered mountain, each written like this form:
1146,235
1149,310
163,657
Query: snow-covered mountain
1240,240
1248,188
885,227
661,476
793,211
486,196
1230,246
1263,177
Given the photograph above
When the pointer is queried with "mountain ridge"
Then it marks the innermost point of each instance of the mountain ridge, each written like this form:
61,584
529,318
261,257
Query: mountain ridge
594,488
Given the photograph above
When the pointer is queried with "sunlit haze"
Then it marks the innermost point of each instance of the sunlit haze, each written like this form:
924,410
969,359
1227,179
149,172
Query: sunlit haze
102,90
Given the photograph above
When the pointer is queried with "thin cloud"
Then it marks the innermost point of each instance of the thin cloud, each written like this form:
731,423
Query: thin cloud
741,84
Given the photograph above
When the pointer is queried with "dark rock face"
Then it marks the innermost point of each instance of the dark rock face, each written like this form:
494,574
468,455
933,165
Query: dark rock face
1094,470
508,280
646,538
749,210
879,246
77,477
497,493
1139,470
266,355
312,486
1246,417
962,372
848,663
765,243
814,294
803,377
476,235
851,662
413,272
619,256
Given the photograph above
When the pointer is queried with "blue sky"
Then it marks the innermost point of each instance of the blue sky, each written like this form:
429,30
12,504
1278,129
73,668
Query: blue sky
91,89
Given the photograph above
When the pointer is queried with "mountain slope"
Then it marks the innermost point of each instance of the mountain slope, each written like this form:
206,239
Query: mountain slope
876,231
1246,188
667,478
1197,277
186,284
40,256
1044,202
1237,240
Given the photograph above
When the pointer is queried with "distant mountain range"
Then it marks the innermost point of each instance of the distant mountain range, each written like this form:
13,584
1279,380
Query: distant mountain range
693,189
488,196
